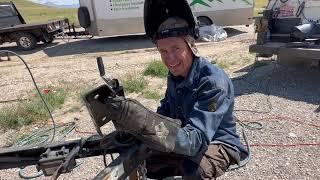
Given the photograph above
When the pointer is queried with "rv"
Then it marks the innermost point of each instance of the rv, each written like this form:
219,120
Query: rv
125,17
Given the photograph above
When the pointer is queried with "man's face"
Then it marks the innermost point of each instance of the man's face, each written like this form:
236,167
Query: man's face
176,55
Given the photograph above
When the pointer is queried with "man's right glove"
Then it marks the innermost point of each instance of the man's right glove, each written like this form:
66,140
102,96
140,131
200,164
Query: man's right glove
156,131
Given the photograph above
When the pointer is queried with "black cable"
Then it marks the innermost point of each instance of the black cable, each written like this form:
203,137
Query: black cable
105,159
300,8
284,1
37,88
300,11
267,90
251,125
272,4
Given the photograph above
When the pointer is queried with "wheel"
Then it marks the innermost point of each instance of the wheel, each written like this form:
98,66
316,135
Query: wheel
84,17
26,41
204,21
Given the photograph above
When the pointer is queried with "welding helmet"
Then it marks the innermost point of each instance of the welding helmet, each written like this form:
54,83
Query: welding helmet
171,18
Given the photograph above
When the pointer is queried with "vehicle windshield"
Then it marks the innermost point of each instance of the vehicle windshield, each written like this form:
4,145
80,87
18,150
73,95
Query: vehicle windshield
6,11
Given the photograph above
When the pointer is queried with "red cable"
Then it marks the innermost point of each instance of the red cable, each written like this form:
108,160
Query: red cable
259,145
288,119
285,145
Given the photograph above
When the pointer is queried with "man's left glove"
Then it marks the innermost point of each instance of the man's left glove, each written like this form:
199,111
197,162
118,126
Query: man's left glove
156,131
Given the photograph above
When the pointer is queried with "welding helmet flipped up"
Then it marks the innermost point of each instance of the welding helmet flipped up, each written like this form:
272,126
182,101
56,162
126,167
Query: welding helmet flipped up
158,11
171,18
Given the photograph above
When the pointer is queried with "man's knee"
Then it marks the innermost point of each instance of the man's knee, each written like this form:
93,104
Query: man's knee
214,163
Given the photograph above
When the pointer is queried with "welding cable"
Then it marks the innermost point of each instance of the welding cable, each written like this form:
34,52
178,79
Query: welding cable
23,174
40,137
275,2
300,9
245,125
37,88
44,137
254,125
245,161
280,118
286,145
267,90
284,1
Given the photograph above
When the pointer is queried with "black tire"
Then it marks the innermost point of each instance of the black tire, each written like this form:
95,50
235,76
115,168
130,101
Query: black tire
26,41
84,17
204,21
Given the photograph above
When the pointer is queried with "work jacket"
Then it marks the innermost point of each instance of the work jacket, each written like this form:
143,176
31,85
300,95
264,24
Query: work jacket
204,102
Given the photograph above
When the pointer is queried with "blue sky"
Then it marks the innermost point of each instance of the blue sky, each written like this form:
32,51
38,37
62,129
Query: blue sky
58,2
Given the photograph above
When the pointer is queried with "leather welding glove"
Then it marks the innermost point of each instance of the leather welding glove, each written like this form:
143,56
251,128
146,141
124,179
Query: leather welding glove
156,131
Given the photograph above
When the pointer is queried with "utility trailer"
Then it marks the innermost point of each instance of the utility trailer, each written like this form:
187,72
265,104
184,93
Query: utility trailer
289,29
13,28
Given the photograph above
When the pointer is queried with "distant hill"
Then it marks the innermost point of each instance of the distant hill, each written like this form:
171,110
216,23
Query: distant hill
33,12
58,3
61,6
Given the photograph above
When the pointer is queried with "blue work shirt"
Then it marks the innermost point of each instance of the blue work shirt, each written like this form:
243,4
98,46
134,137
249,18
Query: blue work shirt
204,102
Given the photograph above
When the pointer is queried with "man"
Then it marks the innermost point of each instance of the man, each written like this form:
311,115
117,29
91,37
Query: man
194,130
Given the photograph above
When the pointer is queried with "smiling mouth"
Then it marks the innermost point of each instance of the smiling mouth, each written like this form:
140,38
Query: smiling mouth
174,65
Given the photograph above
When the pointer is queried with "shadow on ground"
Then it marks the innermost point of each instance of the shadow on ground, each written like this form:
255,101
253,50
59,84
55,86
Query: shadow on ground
14,48
293,83
233,32
105,44
98,44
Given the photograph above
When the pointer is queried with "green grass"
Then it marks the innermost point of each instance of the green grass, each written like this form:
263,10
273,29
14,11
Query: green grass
157,69
33,110
151,94
36,13
134,83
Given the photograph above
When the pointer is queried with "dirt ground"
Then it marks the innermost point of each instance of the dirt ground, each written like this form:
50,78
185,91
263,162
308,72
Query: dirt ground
286,100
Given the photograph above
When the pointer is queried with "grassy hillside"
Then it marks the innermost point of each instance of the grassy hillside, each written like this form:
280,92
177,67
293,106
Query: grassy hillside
33,12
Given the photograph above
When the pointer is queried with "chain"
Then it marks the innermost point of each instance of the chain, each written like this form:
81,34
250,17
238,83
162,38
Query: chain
142,170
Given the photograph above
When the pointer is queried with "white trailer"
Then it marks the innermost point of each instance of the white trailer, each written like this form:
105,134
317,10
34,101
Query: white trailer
124,17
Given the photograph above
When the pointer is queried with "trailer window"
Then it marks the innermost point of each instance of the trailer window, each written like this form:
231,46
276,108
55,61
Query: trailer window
7,11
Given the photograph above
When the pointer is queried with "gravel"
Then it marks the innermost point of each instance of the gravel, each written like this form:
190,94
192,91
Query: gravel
285,100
